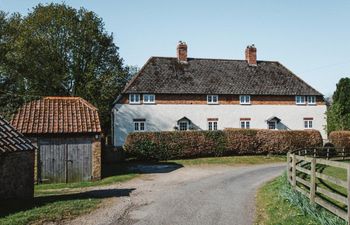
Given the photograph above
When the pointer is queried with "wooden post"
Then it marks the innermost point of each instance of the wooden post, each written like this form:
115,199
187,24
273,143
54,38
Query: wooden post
313,181
288,166
348,191
294,171
327,153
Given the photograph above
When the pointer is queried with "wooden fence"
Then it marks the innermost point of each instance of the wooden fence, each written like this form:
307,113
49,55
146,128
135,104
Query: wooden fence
304,162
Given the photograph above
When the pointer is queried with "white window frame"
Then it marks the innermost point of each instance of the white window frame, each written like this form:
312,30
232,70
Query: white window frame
132,99
139,124
268,125
245,124
210,99
309,102
184,122
308,123
212,125
244,99
303,98
147,99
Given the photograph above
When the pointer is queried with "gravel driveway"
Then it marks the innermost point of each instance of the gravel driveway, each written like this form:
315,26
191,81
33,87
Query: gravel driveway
202,195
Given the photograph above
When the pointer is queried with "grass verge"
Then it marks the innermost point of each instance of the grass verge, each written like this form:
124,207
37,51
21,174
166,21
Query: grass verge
40,212
278,204
231,160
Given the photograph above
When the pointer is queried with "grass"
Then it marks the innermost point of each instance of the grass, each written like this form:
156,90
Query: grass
278,204
231,160
40,212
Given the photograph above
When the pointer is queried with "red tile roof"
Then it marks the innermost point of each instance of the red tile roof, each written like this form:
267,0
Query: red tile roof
57,115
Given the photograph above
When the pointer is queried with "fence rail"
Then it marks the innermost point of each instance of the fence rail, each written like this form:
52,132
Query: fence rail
304,162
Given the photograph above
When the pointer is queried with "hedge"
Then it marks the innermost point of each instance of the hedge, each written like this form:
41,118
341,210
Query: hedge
340,139
191,144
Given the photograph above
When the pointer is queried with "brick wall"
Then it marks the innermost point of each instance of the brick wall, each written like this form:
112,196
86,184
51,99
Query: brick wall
17,175
96,159
223,99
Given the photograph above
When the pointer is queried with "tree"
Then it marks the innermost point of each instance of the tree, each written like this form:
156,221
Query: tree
57,50
338,114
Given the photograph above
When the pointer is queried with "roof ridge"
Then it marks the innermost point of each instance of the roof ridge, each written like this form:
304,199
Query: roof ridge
221,59
88,104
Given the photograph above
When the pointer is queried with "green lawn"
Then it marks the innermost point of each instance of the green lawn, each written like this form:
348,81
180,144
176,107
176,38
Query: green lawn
231,160
277,204
272,209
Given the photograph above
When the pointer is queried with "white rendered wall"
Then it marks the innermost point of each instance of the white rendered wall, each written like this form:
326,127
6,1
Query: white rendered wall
164,117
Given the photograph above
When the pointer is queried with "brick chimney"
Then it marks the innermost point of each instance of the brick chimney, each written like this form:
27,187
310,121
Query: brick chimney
181,51
250,55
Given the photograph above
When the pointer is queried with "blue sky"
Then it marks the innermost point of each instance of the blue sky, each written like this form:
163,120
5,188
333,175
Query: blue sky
310,37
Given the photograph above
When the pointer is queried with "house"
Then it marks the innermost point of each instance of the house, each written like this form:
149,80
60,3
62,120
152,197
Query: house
182,93
67,133
16,164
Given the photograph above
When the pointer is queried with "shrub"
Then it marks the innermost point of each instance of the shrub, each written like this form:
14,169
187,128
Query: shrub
190,144
340,139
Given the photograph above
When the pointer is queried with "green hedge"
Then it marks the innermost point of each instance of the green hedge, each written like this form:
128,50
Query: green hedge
340,139
191,144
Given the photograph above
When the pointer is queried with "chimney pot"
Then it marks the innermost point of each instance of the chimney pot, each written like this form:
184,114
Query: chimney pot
181,51
250,55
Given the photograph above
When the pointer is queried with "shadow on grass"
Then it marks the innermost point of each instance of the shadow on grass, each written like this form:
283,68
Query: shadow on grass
12,206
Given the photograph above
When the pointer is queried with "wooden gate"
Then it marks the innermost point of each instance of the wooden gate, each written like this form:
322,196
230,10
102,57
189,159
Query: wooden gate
65,159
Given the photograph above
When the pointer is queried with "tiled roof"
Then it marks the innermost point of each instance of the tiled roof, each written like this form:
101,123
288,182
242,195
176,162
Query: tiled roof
57,115
11,140
165,75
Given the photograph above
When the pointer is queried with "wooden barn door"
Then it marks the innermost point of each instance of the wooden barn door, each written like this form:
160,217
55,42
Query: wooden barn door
52,160
65,160
79,159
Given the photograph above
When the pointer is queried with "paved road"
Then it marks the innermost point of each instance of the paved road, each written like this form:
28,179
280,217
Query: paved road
196,195
227,198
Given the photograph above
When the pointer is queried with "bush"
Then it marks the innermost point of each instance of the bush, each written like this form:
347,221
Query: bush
340,139
190,144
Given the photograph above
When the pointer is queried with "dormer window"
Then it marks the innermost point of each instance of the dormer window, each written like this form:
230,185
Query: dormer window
134,98
300,100
244,99
149,99
311,100
212,99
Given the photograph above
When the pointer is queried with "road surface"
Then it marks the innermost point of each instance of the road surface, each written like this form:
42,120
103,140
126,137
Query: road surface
186,196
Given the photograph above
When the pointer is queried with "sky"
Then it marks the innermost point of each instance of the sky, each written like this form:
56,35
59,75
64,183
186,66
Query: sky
311,38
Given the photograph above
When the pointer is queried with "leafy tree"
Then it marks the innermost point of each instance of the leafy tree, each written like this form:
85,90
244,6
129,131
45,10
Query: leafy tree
57,50
338,114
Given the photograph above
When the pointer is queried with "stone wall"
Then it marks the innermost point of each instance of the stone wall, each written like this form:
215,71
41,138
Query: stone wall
17,175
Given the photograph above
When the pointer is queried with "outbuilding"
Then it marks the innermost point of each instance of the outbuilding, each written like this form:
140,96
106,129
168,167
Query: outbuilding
67,133
16,164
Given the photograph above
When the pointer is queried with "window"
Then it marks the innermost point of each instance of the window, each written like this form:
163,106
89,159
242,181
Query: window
212,125
308,122
183,125
149,98
134,99
311,100
244,99
272,125
139,124
245,123
300,100
213,99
